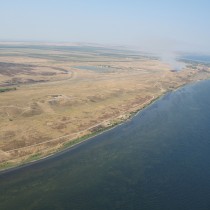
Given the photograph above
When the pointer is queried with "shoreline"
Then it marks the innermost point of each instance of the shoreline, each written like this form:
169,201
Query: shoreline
78,141
73,144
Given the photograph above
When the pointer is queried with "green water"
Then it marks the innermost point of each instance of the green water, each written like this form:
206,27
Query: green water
159,160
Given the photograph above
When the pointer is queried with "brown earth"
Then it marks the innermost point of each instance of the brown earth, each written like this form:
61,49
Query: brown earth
56,102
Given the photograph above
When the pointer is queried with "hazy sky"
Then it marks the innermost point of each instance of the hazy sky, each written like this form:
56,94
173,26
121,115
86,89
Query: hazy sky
146,24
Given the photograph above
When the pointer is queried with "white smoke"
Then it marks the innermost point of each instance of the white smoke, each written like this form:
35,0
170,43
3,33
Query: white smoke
172,60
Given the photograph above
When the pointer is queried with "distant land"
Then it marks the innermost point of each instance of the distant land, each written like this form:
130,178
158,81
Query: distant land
53,96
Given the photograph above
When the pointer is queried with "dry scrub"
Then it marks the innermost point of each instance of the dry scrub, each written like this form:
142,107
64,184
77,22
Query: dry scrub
56,102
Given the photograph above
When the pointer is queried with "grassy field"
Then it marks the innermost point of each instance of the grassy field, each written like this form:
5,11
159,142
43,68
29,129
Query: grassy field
63,93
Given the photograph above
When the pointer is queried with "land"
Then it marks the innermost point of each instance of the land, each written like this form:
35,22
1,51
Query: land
53,96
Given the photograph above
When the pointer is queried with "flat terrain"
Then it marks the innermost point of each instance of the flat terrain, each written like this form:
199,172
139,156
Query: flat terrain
52,95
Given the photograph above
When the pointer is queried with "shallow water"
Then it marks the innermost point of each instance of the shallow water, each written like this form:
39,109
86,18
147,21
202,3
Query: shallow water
159,160
99,69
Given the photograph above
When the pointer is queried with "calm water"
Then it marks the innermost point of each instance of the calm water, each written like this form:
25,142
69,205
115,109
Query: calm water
160,160
99,69
198,58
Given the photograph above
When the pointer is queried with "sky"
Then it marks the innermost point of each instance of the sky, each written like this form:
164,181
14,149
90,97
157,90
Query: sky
159,25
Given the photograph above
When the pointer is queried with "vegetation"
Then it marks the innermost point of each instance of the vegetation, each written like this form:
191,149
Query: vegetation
7,89
56,100
33,157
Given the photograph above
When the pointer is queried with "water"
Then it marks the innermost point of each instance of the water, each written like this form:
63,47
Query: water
198,58
160,160
99,69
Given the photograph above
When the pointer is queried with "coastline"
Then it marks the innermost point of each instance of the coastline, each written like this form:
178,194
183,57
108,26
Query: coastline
75,143
78,141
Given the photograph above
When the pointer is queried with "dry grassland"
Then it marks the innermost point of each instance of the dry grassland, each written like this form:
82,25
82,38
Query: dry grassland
56,101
